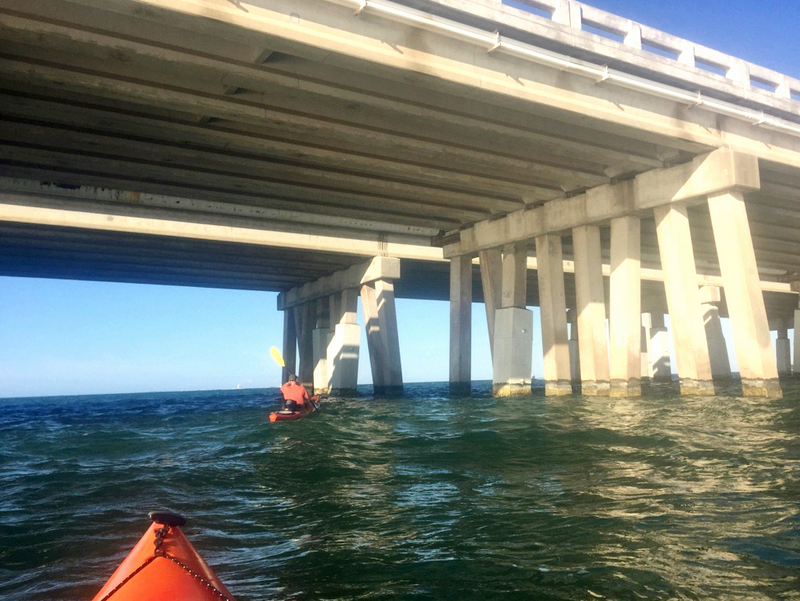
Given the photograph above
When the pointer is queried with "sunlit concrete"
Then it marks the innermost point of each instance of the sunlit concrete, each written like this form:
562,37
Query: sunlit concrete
683,300
625,308
345,344
591,311
751,337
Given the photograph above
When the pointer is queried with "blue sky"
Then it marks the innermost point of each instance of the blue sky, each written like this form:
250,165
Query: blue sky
61,337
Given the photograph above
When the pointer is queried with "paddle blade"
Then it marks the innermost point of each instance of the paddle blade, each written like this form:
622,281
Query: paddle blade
277,356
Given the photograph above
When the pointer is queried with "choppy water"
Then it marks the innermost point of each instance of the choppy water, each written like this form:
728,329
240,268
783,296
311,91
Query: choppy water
422,497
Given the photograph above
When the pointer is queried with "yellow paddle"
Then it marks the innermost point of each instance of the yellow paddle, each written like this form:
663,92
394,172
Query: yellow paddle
277,356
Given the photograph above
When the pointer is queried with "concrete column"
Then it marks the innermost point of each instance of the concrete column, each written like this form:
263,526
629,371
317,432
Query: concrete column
344,346
591,311
461,324
380,318
625,308
783,349
515,273
743,295
553,306
513,328
796,365
574,350
289,343
387,312
513,350
683,299
491,262
646,327
710,298
658,360
321,338
305,322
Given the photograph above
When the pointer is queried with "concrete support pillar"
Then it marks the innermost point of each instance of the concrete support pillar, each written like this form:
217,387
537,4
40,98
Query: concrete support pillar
683,299
796,364
513,349
305,322
461,324
553,306
710,298
658,356
625,307
289,343
344,345
514,289
591,311
743,295
646,327
574,350
491,262
380,318
321,338
513,328
783,350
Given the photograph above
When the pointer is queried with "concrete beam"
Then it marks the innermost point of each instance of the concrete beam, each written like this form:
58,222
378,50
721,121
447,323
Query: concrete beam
378,268
49,195
24,208
221,229
715,172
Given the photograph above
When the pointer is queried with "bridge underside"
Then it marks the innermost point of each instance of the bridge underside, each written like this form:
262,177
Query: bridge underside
293,140
38,251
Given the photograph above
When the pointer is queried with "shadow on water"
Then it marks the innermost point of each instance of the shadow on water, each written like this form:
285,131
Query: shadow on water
422,496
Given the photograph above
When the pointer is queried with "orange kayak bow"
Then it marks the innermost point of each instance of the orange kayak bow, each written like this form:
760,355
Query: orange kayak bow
164,566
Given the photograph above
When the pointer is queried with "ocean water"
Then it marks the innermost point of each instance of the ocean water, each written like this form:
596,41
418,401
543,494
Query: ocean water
413,498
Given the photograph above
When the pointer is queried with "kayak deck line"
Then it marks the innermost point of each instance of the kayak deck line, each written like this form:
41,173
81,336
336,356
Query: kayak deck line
193,580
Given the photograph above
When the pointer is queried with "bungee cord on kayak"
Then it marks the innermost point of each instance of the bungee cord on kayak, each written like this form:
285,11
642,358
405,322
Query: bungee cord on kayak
164,583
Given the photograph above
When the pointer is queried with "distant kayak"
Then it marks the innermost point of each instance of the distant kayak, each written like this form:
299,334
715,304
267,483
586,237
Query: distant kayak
164,566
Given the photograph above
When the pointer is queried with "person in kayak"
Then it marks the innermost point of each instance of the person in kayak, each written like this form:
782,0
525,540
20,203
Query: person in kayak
294,394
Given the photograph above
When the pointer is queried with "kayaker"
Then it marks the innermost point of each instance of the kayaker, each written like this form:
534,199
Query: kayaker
294,395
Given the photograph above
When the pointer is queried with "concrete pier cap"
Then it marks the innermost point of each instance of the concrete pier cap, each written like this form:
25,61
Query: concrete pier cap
336,340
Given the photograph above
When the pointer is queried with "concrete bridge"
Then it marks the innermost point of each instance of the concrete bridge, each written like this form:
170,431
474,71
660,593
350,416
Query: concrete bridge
558,156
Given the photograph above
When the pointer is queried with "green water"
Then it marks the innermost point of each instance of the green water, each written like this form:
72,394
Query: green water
421,497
